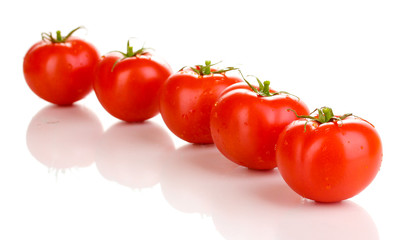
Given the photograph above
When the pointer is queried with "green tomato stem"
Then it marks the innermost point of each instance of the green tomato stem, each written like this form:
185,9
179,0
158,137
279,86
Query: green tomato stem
206,69
130,53
325,115
264,88
59,38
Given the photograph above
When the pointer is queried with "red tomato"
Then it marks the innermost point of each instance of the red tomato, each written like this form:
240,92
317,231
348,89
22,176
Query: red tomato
127,84
330,158
60,70
187,99
245,124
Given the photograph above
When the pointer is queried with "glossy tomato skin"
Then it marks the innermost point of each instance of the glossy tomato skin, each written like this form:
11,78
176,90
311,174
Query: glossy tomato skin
186,102
245,126
129,88
61,73
329,162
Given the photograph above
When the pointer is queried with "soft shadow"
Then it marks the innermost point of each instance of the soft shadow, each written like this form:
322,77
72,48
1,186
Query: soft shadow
336,221
249,204
64,137
132,154
191,176
243,204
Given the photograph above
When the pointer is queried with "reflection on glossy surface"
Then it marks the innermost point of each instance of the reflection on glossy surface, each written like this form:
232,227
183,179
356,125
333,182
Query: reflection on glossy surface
133,154
242,203
64,137
247,204
265,207
252,204
190,176
337,221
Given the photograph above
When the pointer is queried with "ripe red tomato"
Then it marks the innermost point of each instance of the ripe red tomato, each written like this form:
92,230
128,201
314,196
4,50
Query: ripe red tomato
128,84
327,158
60,70
187,99
245,123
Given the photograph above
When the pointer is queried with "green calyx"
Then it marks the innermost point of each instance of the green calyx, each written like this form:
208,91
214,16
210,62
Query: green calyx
59,38
325,114
202,70
131,53
264,88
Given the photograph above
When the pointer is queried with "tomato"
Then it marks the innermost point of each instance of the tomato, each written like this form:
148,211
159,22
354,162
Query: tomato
187,99
246,121
60,70
128,84
329,158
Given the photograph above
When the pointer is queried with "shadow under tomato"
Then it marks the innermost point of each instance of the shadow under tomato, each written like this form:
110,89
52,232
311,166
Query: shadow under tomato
243,212
243,204
335,221
132,154
264,207
64,137
190,176
249,204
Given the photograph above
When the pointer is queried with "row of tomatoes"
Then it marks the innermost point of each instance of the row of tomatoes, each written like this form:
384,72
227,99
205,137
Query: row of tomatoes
323,157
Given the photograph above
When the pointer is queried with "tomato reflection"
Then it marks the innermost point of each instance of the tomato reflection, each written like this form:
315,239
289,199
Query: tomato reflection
132,154
247,204
64,137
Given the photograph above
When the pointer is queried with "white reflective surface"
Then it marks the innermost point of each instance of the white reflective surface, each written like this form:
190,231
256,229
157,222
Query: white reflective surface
78,173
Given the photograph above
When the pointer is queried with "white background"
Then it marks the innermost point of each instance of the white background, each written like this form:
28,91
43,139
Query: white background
78,173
